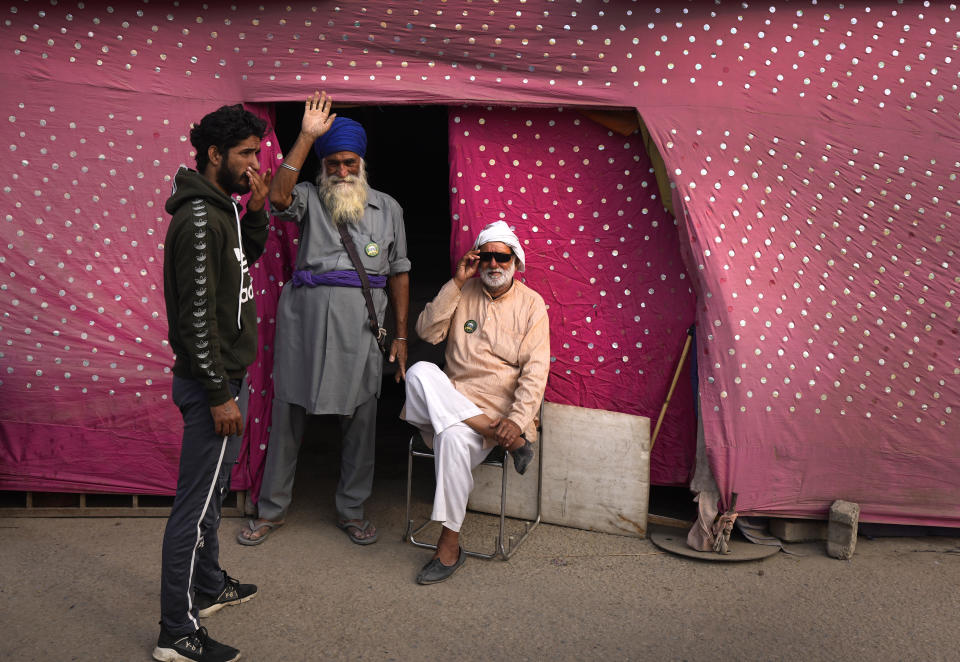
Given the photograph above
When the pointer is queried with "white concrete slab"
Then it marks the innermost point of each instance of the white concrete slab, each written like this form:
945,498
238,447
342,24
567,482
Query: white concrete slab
596,473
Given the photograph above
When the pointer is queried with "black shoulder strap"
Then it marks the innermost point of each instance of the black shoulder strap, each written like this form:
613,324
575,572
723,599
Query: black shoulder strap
378,331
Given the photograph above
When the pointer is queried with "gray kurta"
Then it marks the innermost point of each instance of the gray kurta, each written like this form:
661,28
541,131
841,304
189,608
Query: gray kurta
326,359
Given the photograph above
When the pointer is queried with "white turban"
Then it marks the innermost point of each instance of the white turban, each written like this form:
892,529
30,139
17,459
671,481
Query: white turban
500,231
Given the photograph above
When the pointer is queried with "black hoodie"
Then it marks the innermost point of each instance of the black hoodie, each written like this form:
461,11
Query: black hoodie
211,314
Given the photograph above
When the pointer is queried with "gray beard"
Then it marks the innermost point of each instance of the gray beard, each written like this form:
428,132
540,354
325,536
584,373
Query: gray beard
346,202
491,279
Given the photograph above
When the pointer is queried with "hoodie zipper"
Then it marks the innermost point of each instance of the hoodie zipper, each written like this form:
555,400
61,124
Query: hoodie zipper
243,257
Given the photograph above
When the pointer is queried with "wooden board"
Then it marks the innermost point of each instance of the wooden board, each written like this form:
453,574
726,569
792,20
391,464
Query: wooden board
596,473
73,504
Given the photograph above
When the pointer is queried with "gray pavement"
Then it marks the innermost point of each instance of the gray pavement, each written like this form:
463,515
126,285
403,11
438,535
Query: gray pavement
88,589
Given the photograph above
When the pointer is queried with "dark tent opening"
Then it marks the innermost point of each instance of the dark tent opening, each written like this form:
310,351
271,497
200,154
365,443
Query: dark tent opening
407,158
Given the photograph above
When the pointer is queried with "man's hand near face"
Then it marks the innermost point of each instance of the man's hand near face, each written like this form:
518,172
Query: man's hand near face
467,268
259,187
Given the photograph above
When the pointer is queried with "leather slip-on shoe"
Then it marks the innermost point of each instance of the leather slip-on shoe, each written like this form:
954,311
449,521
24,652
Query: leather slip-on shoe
435,572
522,457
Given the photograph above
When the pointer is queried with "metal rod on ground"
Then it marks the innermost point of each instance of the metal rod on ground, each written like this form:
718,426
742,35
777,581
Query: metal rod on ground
673,385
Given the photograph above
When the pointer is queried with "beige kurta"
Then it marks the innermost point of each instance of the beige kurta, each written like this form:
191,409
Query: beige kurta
498,350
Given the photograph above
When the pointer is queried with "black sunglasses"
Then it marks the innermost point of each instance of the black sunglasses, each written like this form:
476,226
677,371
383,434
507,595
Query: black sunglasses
489,256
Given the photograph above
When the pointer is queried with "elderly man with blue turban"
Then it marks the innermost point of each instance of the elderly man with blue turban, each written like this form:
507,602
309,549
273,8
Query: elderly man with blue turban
327,357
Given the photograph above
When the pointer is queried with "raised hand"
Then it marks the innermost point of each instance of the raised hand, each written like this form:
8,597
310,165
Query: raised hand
467,267
317,120
316,115
259,187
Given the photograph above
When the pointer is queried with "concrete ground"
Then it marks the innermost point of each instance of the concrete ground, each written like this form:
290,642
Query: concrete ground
88,589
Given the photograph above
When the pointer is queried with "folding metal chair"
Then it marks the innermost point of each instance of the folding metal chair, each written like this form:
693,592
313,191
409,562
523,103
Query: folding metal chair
497,458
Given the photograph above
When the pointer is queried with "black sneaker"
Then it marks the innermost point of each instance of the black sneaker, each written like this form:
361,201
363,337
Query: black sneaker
195,647
232,594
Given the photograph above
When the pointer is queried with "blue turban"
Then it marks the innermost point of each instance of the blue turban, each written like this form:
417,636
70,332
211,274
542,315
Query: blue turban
345,135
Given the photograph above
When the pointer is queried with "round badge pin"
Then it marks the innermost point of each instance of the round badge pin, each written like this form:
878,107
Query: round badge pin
470,326
371,249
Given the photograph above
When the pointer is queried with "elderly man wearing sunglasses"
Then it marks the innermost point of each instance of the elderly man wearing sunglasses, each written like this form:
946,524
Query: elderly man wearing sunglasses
497,360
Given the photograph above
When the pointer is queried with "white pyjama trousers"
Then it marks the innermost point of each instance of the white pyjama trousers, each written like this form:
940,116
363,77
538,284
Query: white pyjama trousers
438,409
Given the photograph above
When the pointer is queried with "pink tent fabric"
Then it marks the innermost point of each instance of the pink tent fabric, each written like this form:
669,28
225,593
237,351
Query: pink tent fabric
812,147
269,273
600,249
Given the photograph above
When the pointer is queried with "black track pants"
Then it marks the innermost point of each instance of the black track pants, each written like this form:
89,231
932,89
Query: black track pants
190,547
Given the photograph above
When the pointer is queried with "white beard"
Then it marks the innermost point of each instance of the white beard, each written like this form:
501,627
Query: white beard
345,198
493,278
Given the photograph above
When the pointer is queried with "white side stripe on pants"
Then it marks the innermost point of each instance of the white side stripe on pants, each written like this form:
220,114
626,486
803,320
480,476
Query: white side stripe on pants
196,545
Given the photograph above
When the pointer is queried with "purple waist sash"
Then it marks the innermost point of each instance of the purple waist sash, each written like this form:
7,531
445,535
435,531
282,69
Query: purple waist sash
306,278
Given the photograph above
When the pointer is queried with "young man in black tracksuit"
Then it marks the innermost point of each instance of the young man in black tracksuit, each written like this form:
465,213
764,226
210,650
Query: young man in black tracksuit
213,331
